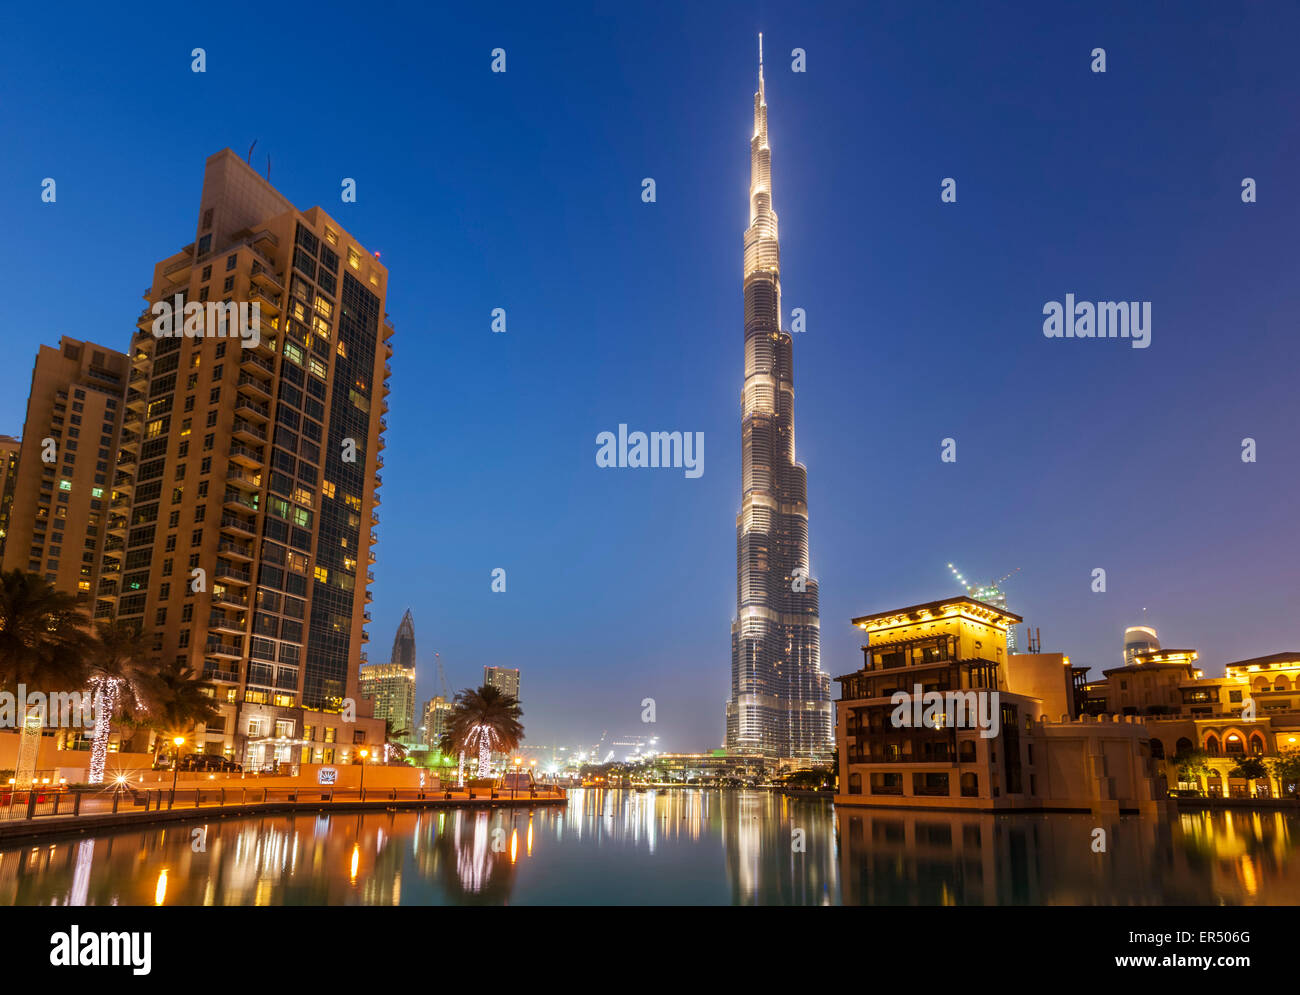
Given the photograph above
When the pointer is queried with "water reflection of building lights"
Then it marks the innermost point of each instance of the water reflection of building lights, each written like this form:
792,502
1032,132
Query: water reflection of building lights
356,861
529,851
514,845
160,889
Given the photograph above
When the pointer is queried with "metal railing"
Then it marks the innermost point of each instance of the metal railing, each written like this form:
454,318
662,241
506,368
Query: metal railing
28,804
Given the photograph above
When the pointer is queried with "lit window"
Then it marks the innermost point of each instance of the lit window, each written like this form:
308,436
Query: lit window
322,574
65,485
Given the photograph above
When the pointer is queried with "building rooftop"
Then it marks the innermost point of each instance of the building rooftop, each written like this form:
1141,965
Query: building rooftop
960,606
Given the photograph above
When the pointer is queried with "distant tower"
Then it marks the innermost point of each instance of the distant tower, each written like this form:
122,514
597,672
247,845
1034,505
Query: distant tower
504,679
1139,639
404,642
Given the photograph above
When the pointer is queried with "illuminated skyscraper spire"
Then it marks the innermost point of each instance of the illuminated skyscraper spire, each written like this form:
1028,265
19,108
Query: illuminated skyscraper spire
780,699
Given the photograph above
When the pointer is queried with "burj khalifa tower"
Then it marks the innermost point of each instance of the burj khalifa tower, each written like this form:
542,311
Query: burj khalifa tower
780,704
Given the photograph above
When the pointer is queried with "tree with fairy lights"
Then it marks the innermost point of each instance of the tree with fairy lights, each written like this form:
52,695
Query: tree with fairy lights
117,661
486,721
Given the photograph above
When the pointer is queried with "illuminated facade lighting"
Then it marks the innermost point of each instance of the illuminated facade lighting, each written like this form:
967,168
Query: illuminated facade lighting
780,703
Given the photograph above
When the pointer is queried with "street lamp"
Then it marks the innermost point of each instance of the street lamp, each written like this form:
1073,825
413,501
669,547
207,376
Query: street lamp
178,742
363,754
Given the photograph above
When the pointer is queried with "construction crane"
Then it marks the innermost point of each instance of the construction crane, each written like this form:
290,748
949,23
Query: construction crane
990,594
442,678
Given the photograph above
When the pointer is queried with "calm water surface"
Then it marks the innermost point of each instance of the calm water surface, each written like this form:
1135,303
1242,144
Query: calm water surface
679,847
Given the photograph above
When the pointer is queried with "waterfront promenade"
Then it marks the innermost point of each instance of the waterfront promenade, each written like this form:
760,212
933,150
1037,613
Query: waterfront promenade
44,813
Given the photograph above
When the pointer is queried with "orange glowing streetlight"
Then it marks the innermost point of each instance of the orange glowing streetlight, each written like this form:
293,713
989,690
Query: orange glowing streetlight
178,742
363,754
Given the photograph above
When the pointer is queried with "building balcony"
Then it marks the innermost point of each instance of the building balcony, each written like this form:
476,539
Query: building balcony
250,361
247,431
228,573
246,407
232,524
211,673
251,387
225,650
228,598
221,622
244,456
234,500
235,550
268,301
136,400
263,276
181,268
245,481
116,524
263,239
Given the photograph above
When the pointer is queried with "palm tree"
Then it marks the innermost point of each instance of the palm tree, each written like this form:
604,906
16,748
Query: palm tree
115,666
174,701
486,720
43,640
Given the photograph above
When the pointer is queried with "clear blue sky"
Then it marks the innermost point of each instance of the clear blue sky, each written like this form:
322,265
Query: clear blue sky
522,191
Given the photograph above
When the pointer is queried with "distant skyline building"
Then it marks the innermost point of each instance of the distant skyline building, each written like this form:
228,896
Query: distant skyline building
437,712
780,702
391,687
1139,639
504,679
404,642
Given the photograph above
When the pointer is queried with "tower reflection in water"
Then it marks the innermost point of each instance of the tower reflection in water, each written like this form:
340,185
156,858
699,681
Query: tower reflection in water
670,847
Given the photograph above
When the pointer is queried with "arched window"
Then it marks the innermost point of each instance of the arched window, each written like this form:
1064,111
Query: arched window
966,749
855,784
1281,684
1184,745
1261,683
1157,749
1234,745
970,785
1256,745
1212,745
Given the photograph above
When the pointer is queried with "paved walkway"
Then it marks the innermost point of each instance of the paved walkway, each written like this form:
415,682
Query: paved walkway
81,812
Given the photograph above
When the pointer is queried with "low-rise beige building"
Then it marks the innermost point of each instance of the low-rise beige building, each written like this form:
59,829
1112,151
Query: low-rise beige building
941,716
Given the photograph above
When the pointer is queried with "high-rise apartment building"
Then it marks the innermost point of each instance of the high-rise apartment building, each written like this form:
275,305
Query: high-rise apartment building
780,702
58,518
437,712
391,689
504,679
9,447
248,474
